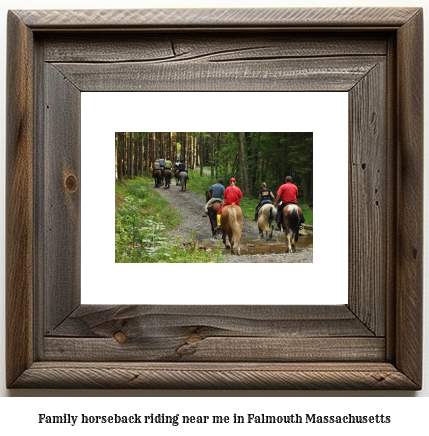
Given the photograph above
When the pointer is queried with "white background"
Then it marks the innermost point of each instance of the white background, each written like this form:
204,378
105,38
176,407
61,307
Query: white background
20,414
324,113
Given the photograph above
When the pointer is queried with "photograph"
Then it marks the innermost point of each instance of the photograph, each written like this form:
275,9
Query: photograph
202,197
343,86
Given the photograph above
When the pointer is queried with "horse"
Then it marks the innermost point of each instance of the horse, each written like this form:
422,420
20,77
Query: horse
157,175
232,223
167,177
183,176
212,212
266,215
291,219
176,176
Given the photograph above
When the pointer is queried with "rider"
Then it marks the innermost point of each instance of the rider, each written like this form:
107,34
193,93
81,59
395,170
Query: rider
265,196
167,164
232,195
287,194
217,191
176,165
162,164
182,167
156,166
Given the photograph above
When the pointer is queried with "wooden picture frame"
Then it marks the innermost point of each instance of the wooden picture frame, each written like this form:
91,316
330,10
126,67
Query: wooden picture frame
373,342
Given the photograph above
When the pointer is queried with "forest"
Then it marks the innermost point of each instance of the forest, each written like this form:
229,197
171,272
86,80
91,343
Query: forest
250,157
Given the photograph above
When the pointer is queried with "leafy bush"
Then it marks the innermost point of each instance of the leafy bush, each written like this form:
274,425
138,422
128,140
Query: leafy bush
140,238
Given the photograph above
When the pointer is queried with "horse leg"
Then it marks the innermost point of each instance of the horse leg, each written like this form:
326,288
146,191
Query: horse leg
287,239
213,223
224,239
231,241
272,229
294,240
261,233
238,248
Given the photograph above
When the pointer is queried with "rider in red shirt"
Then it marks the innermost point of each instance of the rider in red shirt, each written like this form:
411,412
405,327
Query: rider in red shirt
287,194
232,195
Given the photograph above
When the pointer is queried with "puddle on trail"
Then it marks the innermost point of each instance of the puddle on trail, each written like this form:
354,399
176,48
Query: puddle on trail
256,245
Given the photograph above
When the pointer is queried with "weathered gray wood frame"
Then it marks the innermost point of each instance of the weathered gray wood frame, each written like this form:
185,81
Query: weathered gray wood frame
374,342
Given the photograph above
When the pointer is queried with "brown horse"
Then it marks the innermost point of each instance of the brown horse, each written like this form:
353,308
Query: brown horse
291,218
157,175
232,223
167,177
212,212
176,176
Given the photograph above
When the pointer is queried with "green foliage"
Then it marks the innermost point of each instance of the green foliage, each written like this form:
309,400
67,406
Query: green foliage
248,206
199,183
138,239
141,236
307,211
154,204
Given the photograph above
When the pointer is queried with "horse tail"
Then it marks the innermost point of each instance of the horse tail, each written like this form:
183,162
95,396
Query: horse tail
295,221
265,218
234,224
272,214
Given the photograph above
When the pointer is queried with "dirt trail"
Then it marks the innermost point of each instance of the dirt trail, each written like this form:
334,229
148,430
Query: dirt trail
191,207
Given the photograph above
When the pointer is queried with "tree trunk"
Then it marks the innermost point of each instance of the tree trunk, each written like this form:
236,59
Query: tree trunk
174,152
132,154
211,155
201,153
120,155
146,149
243,164
216,158
185,146
141,155
195,154
128,154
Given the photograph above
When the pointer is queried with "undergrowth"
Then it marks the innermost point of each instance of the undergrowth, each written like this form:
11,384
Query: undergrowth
142,217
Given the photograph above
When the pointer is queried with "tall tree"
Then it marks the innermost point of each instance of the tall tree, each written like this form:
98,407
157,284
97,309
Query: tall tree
131,156
184,146
201,153
211,155
146,146
243,164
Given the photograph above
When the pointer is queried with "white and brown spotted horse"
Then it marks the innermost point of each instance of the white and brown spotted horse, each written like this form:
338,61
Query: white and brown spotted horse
291,219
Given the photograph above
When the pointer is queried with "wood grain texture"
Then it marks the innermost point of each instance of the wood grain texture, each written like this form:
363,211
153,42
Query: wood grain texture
99,321
217,18
189,347
178,347
302,74
409,272
61,186
391,195
248,376
172,47
213,333
367,199
19,200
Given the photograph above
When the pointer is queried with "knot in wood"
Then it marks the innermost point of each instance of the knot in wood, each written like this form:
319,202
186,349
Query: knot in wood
120,337
71,183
